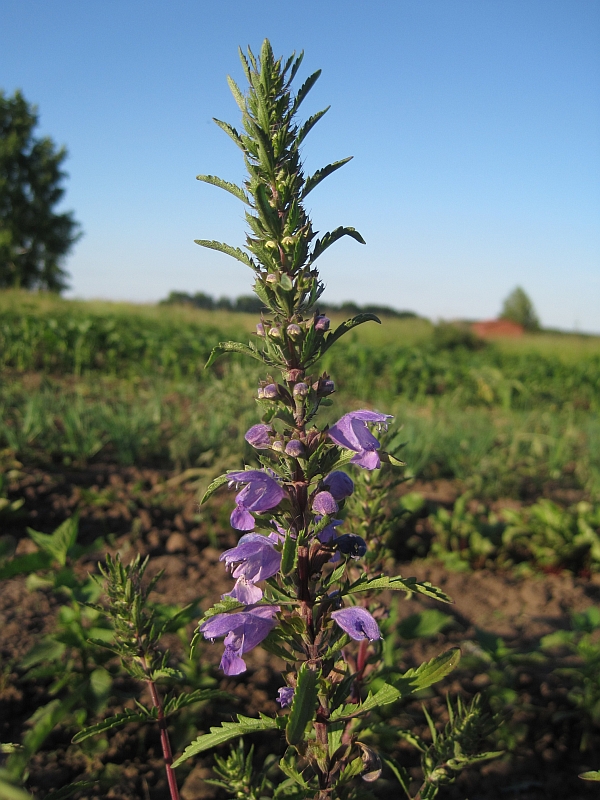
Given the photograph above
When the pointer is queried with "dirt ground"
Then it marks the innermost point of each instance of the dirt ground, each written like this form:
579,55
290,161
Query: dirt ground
158,514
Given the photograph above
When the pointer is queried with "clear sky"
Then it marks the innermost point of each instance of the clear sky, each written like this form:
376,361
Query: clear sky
475,126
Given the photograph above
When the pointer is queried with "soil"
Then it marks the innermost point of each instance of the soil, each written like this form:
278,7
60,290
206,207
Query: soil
157,514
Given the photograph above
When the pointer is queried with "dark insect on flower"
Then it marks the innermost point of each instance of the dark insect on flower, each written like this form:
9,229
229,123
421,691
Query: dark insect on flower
351,545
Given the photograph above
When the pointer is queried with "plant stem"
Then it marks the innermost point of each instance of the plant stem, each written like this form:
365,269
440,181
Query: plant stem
164,740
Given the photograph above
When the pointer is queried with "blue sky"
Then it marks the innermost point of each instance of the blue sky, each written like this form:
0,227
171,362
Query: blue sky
475,127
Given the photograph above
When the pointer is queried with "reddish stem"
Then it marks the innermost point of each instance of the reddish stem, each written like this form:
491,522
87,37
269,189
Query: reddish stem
164,740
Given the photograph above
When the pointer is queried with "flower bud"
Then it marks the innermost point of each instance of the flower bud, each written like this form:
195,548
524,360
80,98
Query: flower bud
261,393
294,330
277,446
294,448
301,390
322,323
259,436
260,329
324,503
339,484
270,391
272,278
274,332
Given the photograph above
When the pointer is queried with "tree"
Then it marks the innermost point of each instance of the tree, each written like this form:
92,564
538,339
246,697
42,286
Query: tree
519,308
34,238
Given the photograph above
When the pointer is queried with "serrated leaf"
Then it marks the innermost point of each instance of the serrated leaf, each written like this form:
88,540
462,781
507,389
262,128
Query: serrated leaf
397,584
304,704
68,791
320,175
308,125
304,90
234,252
400,773
109,723
222,607
225,732
230,131
346,326
57,544
213,486
384,696
166,672
232,188
287,766
174,704
232,347
428,673
237,94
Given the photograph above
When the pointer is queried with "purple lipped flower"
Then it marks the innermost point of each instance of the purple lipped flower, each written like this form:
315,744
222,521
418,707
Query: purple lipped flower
254,558
270,391
286,695
351,432
357,623
324,503
350,544
260,329
322,323
294,448
339,484
259,436
243,630
244,592
261,493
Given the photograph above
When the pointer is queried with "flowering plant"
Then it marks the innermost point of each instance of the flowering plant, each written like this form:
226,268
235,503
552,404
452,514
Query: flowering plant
301,590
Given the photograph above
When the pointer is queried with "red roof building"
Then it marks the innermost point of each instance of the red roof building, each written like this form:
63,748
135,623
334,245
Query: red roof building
497,329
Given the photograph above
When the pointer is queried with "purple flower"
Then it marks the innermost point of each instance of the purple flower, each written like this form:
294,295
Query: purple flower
260,494
301,390
259,436
351,432
351,545
243,630
322,323
254,559
294,448
294,330
270,391
324,503
357,623
260,329
286,695
339,484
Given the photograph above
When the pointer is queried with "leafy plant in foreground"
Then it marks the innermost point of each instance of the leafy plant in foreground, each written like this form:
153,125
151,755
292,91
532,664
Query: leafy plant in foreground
300,585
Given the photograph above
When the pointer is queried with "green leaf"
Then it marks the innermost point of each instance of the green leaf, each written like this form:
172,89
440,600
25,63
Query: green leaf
60,542
397,584
174,704
384,696
67,791
25,564
401,774
590,776
8,791
234,252
303,705
232,347
308,125
237,94
321,174
304,90
225,732
230,131
116,721
232,188
288,766
214,485
428,673
288,555
346,326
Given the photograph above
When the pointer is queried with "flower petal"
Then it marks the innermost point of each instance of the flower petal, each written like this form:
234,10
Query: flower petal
357,623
